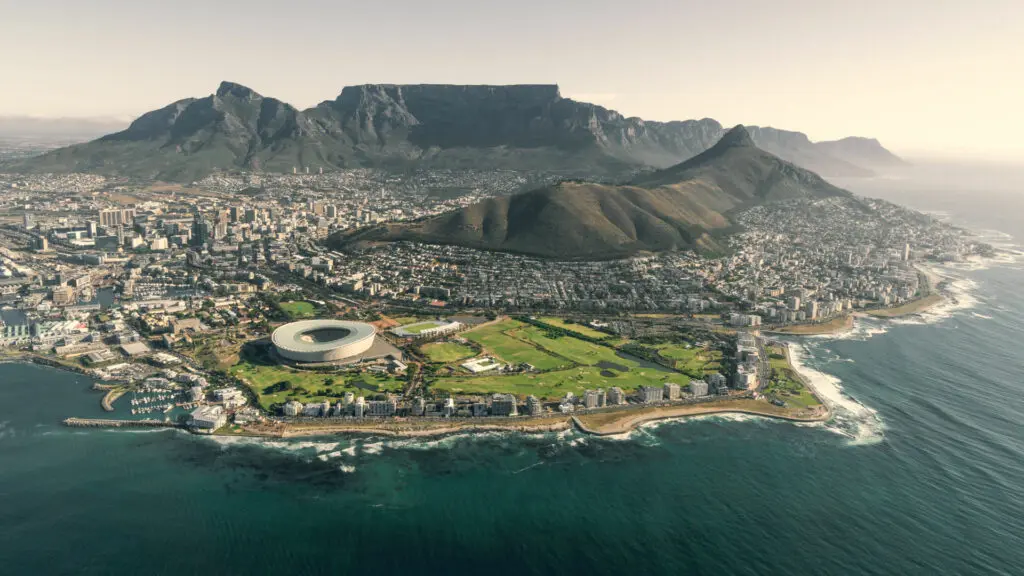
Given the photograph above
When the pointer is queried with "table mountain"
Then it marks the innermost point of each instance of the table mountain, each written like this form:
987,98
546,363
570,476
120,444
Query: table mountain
525,127
686,206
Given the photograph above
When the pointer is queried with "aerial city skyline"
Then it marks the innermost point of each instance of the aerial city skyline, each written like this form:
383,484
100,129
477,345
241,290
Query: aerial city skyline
544,287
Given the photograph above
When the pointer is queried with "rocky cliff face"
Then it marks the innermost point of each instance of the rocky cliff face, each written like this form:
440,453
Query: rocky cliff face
528,127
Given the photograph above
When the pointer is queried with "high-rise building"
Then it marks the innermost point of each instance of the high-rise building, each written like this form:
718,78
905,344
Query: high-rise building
671,391
906,252
651,394
503,405
26,221
90,228
615,396
698,388
200,231
63,296
382,407
116,217
533,406
590,399
811,308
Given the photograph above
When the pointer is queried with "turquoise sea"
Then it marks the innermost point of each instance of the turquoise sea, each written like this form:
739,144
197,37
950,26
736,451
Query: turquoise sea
922,472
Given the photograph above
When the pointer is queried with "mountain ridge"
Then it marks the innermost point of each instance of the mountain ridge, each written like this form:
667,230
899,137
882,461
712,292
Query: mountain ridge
525,126
687,206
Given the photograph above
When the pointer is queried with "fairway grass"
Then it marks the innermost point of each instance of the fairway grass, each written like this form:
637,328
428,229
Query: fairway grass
572,365
578,351
553,385
577,328
446,352
512,350
695,361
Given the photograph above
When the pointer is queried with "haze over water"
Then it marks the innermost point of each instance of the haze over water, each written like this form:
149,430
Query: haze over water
921,473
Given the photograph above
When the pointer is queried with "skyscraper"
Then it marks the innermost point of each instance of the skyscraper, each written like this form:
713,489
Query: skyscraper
200,231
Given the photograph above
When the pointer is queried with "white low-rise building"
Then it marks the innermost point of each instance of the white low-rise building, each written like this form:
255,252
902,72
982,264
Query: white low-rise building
208,418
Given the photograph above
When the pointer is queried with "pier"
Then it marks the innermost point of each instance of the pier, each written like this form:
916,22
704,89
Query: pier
109,423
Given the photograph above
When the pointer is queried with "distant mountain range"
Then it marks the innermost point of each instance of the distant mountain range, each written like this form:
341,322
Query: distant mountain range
525,127
687,206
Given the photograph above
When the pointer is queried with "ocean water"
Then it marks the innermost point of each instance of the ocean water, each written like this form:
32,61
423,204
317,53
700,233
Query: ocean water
921,472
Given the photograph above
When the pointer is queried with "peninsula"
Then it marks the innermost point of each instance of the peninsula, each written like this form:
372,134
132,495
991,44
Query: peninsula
436,300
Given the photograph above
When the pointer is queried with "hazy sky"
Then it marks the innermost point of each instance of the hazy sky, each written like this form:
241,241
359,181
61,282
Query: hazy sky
942,76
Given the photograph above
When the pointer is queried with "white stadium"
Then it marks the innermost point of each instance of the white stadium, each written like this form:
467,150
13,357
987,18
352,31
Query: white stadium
321,341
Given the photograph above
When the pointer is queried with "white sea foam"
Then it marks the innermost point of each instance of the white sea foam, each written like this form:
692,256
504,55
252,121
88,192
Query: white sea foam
375,448
320,448
863,328
347,469
850,418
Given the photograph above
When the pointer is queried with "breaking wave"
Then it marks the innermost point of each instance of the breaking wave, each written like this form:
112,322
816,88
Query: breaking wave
857,422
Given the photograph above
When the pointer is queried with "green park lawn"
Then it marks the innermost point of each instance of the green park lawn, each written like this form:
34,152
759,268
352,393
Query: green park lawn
298,309
445,352
785,384
261,376
577,328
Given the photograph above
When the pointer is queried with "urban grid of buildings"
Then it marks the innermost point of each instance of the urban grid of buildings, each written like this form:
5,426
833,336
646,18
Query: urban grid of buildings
110,271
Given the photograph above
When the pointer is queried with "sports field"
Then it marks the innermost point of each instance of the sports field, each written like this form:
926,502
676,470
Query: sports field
298,309
421,326
445,352
577,328
403,320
